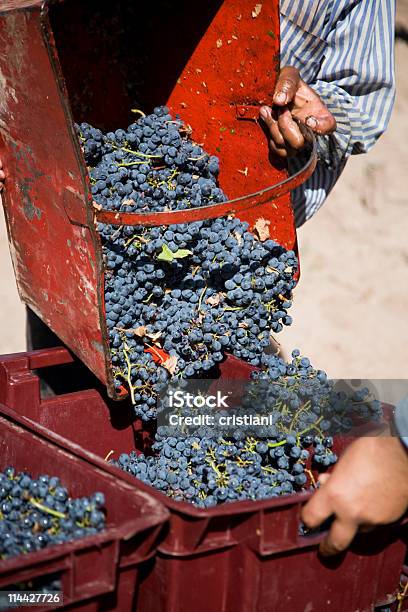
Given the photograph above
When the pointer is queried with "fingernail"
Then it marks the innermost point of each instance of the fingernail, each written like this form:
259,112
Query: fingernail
280,98
311,122
264,114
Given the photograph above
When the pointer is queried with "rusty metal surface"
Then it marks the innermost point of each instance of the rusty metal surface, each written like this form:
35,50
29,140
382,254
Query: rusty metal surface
234,67
51,243
225,61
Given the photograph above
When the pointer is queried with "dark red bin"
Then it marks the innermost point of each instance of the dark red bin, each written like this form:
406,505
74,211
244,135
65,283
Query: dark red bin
239,557
99,572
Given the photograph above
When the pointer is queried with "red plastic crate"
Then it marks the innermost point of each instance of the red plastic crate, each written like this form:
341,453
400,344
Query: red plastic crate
238,557
100,572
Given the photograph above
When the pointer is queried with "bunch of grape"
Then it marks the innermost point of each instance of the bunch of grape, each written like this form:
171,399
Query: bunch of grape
300,397
35,513
207,468
179,297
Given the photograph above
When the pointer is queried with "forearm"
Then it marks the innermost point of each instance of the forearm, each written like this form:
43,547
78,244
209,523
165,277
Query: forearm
360,122
356,79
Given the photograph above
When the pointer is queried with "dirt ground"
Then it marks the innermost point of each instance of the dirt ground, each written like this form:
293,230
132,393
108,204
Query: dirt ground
351,305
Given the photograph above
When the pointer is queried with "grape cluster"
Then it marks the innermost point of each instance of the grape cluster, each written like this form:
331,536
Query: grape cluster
179,297
206,468
299,396
35,513
152,166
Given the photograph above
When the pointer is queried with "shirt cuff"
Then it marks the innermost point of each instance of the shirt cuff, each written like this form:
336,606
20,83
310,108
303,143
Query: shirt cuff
333,149
401,420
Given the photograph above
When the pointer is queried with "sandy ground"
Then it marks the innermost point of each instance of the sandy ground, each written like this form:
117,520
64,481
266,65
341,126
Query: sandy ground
350,310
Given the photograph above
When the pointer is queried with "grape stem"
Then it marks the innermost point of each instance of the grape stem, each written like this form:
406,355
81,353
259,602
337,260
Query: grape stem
43,508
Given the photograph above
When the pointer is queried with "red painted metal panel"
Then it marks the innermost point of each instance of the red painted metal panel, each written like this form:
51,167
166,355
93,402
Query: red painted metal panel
233,67
53,246
223,67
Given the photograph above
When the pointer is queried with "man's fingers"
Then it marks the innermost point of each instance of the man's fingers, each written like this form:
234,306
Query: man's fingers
272,124
290,130
277,142
324,124
282,151
265,114
339,538
287,86
323,478
317,509
317,118
366,528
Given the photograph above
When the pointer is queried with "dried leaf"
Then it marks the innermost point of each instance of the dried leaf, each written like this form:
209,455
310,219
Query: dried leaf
215,299
159,356
139,331
238,238
154,337
128,202
243,325
97,206
261,228
257,10
276,346
170,364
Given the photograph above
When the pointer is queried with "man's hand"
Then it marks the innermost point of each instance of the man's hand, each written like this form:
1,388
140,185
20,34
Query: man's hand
294,101
2,176
368,487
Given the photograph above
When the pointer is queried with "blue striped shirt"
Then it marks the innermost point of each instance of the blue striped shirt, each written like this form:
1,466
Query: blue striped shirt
344,49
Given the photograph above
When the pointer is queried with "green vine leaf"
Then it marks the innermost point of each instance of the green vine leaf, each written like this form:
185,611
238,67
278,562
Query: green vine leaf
181,253
168,255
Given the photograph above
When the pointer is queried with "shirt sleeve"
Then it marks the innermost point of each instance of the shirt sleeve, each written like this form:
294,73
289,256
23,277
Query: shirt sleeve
356,81
401,420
